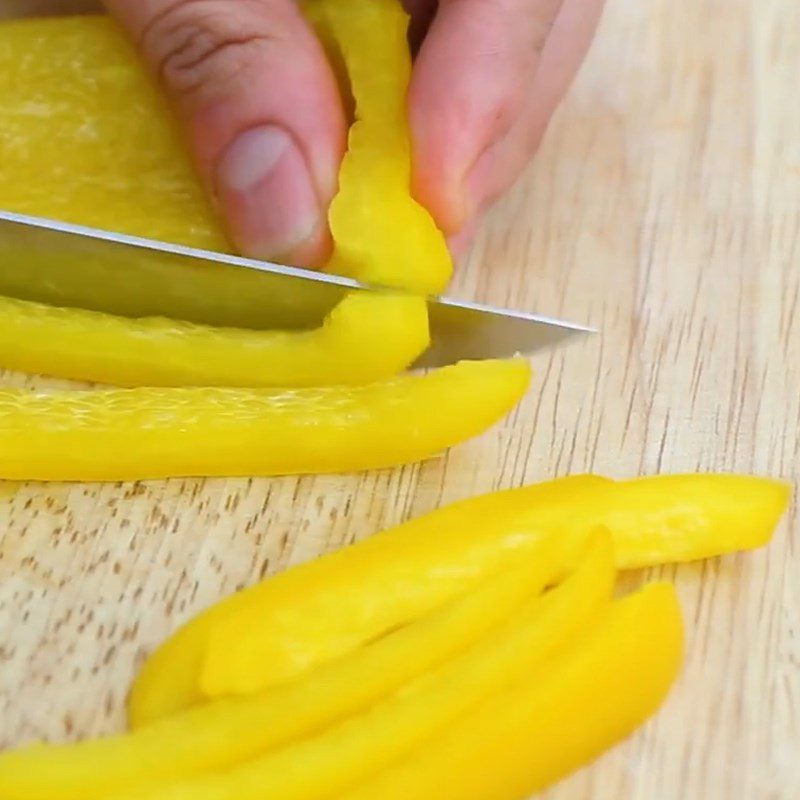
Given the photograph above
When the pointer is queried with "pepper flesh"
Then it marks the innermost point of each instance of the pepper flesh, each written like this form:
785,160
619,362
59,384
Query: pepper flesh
77,106
335,759
575,706
382,235
322,609
230,731
365,338
132,434
653,520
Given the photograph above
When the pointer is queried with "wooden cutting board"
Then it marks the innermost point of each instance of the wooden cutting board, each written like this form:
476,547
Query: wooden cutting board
664,208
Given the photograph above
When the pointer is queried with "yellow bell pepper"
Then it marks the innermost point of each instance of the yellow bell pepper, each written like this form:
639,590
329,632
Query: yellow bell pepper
82,113
365,338
382,235
130,434
322,765
559,717
86,138
320,610
283,626
229,731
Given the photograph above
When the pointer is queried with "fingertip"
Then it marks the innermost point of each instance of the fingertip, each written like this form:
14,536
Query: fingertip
471,79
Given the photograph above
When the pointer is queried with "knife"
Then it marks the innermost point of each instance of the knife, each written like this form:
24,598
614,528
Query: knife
74,266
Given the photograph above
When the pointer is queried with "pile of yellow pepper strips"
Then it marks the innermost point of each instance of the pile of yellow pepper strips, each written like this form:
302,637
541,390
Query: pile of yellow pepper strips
475,653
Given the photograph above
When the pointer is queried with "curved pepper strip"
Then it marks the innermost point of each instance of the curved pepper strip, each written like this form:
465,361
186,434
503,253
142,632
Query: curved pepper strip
666,518
133,434
83,112
591,695
653,520
232,730
365,338
677,518
320,610
382,235
322,765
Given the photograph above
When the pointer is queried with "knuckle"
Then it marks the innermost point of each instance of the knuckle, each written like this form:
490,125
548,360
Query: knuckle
195,45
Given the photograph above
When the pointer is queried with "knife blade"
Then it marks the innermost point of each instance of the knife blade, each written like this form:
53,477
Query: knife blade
75,266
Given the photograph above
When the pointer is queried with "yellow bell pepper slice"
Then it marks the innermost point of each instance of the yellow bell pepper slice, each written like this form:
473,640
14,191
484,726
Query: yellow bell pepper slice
677,518
382,235
82,113
131,434
230,731
322,765
320,610
269,632
591,695
365,338
653,520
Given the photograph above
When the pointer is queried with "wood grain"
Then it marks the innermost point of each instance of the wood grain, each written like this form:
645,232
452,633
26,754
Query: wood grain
664,208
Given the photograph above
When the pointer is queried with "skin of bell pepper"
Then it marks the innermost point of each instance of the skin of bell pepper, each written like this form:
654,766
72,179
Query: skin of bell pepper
132,434
322,609
591,695
337,758
365,338
83,112
382,235
230,731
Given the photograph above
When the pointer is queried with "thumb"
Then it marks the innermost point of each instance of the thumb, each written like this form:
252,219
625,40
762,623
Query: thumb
261,112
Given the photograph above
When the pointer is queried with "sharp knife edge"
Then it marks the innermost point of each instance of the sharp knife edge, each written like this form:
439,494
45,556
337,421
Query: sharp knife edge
73,265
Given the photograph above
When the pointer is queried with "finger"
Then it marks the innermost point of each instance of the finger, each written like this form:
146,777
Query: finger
261,111
500,166
472,77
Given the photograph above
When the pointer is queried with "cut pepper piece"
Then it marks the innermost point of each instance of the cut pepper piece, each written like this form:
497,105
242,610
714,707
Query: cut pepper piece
365,338
675,518
663,518
337,758
591,695
382,235
230,731
75,105
322,609
653,520
131,434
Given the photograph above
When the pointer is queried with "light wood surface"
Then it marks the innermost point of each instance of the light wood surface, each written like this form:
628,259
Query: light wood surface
664,208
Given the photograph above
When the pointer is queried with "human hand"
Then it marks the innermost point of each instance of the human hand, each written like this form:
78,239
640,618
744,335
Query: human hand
264,121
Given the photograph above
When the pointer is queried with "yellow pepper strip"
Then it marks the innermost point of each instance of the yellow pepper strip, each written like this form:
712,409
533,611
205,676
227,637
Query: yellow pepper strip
76,107
588,697
130,434
322,609
675,518
653,520
335,759
230,731
280,627
382,235
365,338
